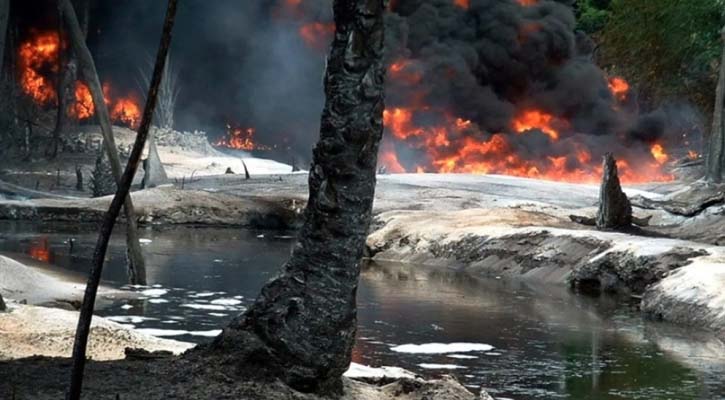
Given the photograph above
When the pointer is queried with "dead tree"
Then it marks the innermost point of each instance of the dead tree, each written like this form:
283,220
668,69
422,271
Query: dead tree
715,152
154,172
3,307
301,328
4,18
246,171
79,178
87,69
124,186
615,210
168,94
67,76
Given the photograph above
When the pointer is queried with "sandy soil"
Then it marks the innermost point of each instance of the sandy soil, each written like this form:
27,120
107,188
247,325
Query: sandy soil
27,331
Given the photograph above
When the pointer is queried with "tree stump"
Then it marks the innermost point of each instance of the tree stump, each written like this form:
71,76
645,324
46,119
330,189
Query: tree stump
615,210
79,178
154,172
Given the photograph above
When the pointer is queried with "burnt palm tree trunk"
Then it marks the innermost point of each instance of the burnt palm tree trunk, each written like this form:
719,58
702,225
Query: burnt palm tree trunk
715,151
302,326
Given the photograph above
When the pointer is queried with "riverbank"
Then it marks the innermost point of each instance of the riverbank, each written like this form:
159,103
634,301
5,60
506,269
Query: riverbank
494,226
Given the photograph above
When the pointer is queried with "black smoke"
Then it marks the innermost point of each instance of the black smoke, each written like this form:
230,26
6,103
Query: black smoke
245,63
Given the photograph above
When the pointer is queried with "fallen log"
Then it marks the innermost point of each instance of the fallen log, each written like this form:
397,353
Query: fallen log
591,221
10,189
678,207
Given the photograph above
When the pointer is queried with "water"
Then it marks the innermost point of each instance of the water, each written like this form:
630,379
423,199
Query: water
547,343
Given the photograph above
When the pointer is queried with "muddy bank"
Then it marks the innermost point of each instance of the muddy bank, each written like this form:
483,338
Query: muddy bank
680,281
164,205
32,284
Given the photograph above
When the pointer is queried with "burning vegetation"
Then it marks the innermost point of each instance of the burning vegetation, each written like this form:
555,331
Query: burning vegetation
38,65
498,87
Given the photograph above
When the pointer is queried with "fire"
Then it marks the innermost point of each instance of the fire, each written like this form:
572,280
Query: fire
457,145
404,71
462,3
238,138
37,57
83,107
693,155
659,154
535,119
38,60
40,250
527,3
126,111
619,88
317,35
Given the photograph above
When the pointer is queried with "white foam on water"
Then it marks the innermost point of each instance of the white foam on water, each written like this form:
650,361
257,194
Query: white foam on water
126,307
214,307
154,292
130,319
216,314
226,302
461,356
144,241
441,348
158,301
203,294
441,366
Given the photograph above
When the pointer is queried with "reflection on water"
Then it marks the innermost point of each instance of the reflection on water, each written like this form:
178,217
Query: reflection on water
546,342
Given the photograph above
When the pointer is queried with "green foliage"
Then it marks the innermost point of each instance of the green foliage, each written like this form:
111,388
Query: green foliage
592,15
670,48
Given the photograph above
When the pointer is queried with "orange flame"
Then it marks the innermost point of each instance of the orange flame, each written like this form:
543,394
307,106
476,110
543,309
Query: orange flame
238,138
535,119
126,111
40,250
465,4
527,3
619,88
83,107
36,56
458,146
38,60
659,154
317,35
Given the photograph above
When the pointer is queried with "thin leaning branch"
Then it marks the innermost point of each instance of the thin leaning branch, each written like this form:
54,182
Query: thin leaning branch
84,321
87,69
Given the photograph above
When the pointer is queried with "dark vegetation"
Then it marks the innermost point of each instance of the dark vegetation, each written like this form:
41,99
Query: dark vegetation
669,49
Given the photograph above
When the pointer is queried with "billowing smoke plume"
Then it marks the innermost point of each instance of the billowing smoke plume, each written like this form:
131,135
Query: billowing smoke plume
484,86
508,86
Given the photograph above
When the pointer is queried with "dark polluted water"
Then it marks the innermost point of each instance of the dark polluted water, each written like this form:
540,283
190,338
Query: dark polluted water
519,341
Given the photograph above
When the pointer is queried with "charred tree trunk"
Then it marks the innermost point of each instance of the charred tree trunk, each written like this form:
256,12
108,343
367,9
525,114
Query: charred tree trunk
615,210
154,173
3,307
79,178
4,18
136,264
715,152
246,171
302,326
124,186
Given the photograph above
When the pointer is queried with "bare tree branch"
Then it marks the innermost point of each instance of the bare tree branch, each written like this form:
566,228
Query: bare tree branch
99,254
